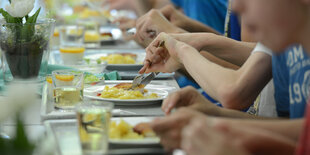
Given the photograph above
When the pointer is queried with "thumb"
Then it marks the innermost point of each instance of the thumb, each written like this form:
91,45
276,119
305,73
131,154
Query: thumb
170,42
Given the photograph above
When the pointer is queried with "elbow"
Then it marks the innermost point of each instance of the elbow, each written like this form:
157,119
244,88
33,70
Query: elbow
231,98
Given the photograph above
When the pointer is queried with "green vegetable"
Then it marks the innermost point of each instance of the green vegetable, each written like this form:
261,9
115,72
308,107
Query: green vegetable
91,78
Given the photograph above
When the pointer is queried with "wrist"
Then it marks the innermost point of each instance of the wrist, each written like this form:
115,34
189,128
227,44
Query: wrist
185,51
205,41
174,29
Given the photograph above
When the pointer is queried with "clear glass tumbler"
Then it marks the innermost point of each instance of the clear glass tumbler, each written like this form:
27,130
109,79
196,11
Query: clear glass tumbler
93,126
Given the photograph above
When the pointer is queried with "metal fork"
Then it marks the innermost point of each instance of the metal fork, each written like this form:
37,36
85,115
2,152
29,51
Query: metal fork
144,80
140,79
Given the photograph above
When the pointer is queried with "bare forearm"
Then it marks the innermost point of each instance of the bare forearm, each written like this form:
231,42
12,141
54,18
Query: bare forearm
219,61
230,87
227,49
213,110
143,6
195,26
288,128
201,69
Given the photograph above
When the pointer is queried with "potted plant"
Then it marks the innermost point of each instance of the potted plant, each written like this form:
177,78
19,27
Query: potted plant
24,41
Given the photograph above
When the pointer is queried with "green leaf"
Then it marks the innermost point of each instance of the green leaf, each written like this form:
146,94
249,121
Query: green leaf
28,29
21,143
33,18
10,19
10,1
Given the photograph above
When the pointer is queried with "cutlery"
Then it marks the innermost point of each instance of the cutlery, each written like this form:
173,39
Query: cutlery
144,80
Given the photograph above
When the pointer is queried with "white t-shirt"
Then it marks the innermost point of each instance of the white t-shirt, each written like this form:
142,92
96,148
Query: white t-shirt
262,48
266,101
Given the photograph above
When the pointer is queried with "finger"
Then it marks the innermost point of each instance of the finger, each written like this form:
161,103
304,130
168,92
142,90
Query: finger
159,67
164,124
126,26
148,32
146,65
161,52
195,137
142,70
120,20
170,102
171,139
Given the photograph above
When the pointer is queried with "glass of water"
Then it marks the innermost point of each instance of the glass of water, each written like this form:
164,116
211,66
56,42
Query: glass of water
68,88
72,44
93,126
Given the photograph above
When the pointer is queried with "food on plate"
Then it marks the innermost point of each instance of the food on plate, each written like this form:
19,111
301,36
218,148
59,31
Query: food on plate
128,86
87,13
91,79
123,91
144,129
118,59
91,37
124,130
106,35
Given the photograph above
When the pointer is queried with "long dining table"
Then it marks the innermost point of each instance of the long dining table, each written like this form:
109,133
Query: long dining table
36,129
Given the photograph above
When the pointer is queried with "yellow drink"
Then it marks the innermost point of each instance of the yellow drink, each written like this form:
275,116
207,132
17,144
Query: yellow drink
67,97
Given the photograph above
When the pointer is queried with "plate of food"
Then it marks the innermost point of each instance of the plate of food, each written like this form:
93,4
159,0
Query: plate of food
119,61
122,94
127,131
122,131
110,35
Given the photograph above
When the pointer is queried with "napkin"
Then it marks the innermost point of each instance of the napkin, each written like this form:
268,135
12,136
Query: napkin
112,76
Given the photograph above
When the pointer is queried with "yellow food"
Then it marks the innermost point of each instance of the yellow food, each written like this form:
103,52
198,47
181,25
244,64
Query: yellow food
72,50
65,77
118,59
116,93
92,37
49,79
56,33
86,13
122,130
77,32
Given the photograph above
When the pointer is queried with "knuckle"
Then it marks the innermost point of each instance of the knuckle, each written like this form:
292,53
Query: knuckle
183,46
170,7
153,12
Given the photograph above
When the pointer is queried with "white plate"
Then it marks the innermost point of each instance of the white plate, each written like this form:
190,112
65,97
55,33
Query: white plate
66,130
91,92
121,67
134,121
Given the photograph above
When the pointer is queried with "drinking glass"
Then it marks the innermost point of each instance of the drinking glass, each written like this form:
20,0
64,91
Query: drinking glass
92,35
68,88
72,44
93,126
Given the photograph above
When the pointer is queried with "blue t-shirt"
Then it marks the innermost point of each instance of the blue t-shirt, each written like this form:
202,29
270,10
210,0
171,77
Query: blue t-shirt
291,74
209,12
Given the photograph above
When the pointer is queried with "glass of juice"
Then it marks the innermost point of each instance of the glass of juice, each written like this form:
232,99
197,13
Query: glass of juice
93,126
68,88
72,44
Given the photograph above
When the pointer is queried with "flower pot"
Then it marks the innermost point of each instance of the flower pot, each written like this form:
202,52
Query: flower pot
25,49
